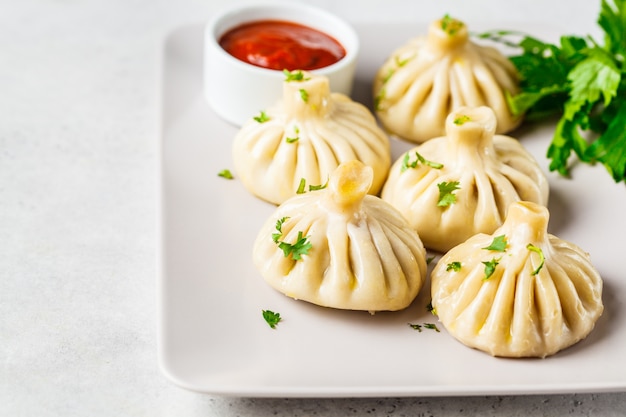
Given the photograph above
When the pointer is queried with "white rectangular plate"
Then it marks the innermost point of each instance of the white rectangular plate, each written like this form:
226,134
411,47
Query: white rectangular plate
213,339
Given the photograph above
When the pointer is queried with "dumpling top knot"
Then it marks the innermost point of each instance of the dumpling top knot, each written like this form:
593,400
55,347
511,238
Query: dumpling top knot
457,185
432,75
304,137
361,253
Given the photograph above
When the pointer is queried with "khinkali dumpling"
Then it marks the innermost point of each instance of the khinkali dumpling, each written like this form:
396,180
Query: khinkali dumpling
431,76
340,247
305,136
455,186
519,292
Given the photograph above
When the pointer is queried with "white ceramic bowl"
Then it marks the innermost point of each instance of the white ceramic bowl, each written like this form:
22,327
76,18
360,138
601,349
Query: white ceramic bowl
238,91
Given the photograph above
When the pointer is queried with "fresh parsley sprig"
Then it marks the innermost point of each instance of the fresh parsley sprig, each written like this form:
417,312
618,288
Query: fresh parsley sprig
295,250
583,82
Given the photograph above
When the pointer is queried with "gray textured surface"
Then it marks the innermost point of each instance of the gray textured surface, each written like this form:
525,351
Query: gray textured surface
79,117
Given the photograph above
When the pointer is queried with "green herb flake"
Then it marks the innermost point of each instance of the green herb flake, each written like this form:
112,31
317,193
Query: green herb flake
542,258
461,120
417,327
318,187
446,193
450,25
429,307
431,326
296,75
271,318
582,82
429,260
454,266
498,244
490,267
407,163
378,100
301,186
304,95
296,250
225,173
279,229
262,117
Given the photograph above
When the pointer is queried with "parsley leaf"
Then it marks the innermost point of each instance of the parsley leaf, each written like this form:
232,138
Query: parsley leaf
262,117
461,120
450,25
271,318
406,162
490,267
279,228
225,173
542,258
297,75
419,327
304,95
446,193
498,244
454,266
583,82
301,185
296,250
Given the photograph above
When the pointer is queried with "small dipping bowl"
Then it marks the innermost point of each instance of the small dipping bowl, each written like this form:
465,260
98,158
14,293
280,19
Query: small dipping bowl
237,90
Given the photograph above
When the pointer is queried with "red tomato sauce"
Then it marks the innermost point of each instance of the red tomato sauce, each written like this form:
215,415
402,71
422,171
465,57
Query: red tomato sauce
279,45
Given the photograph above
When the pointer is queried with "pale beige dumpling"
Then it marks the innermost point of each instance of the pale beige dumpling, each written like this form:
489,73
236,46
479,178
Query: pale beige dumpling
304,137
433,75
455,186
519,292
340,247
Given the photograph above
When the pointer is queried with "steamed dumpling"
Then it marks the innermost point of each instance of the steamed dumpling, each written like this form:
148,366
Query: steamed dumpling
465,182
431,76
305,136
340,247
519,292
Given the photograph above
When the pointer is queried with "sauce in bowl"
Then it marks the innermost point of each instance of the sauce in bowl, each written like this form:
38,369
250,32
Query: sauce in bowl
279,45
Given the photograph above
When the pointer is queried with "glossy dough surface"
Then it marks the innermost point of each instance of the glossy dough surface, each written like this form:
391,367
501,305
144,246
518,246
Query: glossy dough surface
492,172
363,255
306,136
433,75
525,308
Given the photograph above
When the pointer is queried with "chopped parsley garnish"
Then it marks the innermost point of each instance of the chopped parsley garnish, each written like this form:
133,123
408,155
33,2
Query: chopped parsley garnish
454,266
490,267
402,62
498,244
304,95
429,260
225,173
262,117
446,193
318,187
450,25
296,138
379,99
407,163
279,228
429,307
297,75
301,185
461,120
271,318
542,258
419,327
582,81
296,250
